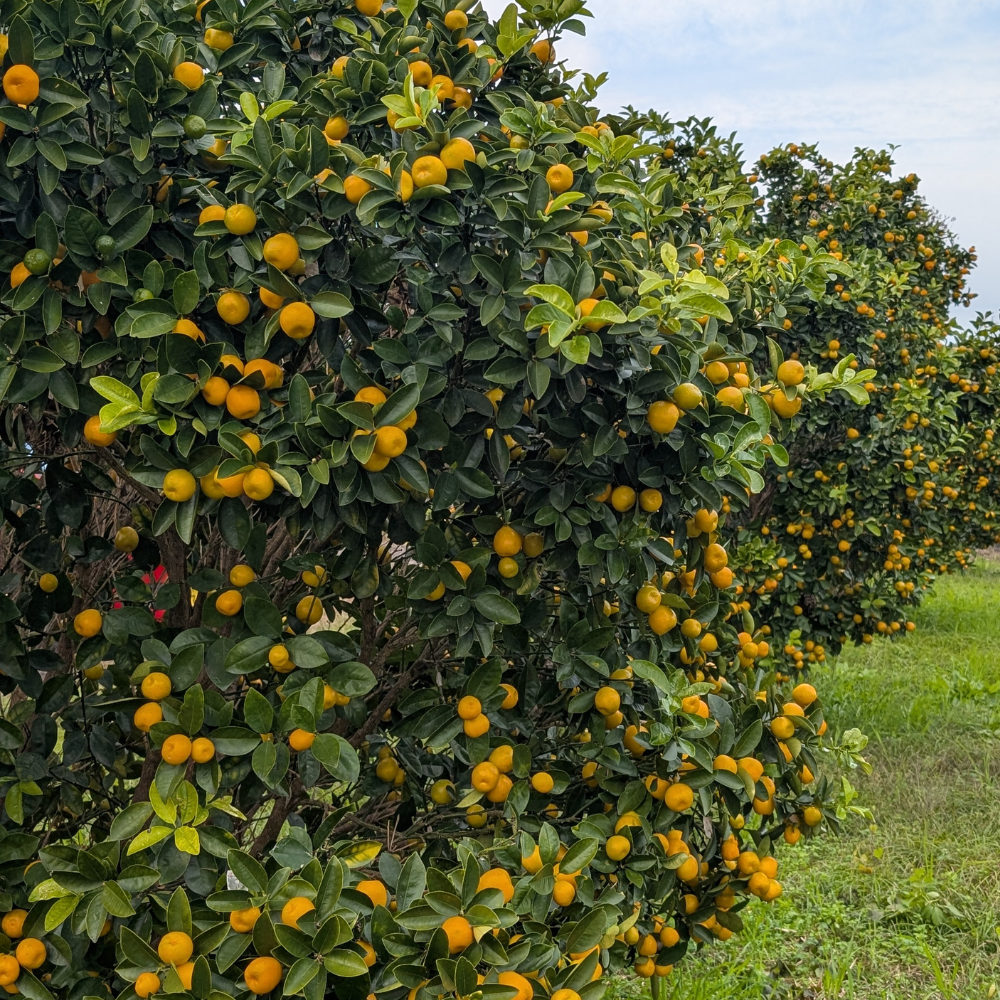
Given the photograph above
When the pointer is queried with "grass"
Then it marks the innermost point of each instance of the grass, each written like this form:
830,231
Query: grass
909,910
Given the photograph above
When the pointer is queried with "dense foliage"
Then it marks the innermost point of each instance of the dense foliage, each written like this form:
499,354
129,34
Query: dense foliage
379,425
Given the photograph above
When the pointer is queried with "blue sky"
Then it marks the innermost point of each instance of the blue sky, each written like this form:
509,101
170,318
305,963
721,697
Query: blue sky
924,75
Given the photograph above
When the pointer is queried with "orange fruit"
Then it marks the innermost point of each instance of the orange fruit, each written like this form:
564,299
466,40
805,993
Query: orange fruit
240,219
243,402
175,948
355,188
301,739
232,307
216,38
281,250
295,908
242,921
456,152
88,623
559,178
188,329
176,749
188,74
13,923
211,213
147,984
662,416
179,485
229,602
202,750
507,542
146,716
336,128
459,933
790,372
215,391
374,890
297,320
427,170
94,435
497,878
20,84
263,974
272,373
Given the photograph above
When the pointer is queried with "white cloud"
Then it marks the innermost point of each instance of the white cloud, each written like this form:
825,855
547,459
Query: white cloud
921,74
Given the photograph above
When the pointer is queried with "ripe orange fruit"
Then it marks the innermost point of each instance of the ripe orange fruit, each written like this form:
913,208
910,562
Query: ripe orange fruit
512,697
48,583
13,923
281,250
242,921
515,981
559,178
156,686
783,406
790,372
427,170
189,74
229,602
175,948
216,38
240,219
88,623
147,984
301,739
355,188
272,373
176,749
297,320
258,484
20,84
544,50
374,890
623,498
232,307
263,974
295,908
459,933
93,434
456,20
309,609
179,485
662,416
243,402
211,213
479,726
9,970
542,782
422,73
497,878
607,700
687,396
662,619
146,716
202,750
188,329
368,7
679,797
456,152
215,391
650,500
617,847
507,542
336,128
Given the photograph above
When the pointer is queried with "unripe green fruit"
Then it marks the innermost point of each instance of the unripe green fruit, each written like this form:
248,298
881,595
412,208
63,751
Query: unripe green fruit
37,261
194,126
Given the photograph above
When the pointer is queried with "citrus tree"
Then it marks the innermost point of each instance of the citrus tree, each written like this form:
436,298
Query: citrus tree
371,413
878,499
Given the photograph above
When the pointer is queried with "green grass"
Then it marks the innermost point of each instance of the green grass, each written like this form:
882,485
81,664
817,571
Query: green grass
911,909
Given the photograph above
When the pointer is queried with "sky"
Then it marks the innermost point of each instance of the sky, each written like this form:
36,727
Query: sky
923,75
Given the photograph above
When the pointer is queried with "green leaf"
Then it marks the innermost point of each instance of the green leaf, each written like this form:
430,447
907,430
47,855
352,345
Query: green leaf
498,609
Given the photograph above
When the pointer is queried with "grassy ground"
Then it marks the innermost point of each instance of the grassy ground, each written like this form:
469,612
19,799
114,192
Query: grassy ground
910,910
